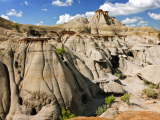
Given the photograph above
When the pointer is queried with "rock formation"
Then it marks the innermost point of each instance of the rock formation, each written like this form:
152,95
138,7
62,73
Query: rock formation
36,81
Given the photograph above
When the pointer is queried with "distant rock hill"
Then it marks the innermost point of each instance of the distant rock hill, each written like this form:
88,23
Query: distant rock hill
5,23
101,23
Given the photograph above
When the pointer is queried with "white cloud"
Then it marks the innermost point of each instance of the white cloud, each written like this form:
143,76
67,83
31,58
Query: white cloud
45,5
40,23
67,17
156,28
60,3
5,17
131,7
4,0
79,1
89,14
129,21
133,25
14,13
44,9
26,3
154,16
143,23
54,17
13,10
14,21
21,3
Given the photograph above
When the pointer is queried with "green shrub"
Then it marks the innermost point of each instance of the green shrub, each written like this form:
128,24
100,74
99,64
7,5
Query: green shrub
117,73
60,51
109,100
153,86
123,76
101,110
150,93
125,98
16,25
150,85
66,114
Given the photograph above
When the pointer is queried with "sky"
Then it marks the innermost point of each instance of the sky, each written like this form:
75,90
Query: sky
133,13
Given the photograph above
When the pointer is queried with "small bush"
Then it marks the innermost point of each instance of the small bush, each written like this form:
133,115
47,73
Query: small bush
109,100
125,98
101,110
150,93
117,73
16,25
150,85
60,51
153,86
66,114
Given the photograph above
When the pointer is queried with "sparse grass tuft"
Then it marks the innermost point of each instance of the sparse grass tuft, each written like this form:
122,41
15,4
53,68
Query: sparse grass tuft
150,93
117,73
101,109
16,25
66,114
150,85
109,100
125,98
153,86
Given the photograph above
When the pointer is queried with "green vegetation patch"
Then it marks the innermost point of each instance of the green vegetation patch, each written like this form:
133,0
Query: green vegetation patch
150,93
125,98
66,114
150,85
101,109
60,51
109,100
16,25
117,73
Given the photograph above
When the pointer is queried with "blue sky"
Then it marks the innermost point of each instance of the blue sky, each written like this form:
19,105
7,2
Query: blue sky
134,13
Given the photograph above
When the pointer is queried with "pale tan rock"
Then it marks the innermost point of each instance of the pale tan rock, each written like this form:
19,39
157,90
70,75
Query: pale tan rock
111,87
109,113
129,68
5,93
150,73
149,102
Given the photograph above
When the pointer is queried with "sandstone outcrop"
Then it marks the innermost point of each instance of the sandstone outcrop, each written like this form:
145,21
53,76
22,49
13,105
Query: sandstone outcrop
5,92
42,78
150,73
